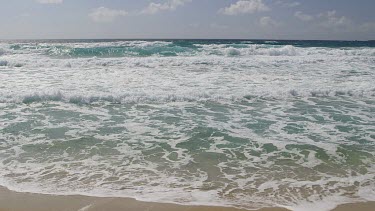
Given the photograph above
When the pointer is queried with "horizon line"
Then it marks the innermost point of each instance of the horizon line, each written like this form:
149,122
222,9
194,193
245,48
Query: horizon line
244,39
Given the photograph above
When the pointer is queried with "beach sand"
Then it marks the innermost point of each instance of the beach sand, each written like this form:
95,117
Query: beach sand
13,201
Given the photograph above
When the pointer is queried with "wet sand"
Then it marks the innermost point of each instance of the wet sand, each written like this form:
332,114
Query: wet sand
13,201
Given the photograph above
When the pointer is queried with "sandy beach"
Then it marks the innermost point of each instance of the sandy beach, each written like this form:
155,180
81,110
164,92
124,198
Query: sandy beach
13,201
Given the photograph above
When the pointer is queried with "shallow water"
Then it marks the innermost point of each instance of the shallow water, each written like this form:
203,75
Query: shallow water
234,123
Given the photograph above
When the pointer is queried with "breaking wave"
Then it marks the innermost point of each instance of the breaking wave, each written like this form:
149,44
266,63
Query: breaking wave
130,98
177,48
2,51
218,122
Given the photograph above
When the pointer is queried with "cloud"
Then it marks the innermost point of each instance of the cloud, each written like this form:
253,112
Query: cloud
303,17
194,25
103,14
331,20
288,4
293,4
245,7
170,5
268,22
50,1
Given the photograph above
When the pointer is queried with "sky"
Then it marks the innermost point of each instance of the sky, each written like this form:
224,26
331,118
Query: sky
189,19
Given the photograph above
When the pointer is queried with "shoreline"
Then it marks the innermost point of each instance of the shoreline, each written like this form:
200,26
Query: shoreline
16,201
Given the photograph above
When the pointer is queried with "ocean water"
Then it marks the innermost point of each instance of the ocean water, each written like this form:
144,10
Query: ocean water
247,124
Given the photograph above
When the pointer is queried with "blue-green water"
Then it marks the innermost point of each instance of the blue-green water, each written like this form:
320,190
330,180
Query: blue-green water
213,122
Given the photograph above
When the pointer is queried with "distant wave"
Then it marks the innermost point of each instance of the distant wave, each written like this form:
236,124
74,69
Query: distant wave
173,49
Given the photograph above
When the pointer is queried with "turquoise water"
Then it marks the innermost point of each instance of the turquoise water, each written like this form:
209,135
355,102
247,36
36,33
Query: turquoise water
238,123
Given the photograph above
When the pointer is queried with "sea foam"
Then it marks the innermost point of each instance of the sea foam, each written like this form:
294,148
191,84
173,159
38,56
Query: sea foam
230,123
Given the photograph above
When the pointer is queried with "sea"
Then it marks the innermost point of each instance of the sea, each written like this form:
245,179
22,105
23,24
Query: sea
237,123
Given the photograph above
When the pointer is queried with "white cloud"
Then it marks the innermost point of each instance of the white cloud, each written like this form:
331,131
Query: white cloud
330,20
245,7
303,17
103,14
50,1
194,25
268,22
288,4
170,5
293,4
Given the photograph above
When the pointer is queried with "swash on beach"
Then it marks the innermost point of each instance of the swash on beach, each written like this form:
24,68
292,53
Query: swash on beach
247,124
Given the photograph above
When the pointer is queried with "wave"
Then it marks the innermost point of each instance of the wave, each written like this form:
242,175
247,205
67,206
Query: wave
111,49
233,52
251,50
179,48
130,98
283,51
120,51
2,51
111,98
3,63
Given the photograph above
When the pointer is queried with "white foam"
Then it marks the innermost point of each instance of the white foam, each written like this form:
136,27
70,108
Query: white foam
240,102
324,205
2,51
86,208
3,63
233,52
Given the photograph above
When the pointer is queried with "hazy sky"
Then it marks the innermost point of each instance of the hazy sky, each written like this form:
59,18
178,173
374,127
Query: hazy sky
247,19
